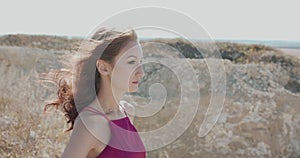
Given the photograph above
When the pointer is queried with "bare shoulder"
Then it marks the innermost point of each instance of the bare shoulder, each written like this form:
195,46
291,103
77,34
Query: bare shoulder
89,136
96,124
129,108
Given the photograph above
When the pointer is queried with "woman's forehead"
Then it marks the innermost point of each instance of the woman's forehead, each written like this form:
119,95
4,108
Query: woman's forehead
130,50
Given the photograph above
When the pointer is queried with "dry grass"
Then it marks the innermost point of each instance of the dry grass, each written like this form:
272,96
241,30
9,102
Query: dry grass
25,130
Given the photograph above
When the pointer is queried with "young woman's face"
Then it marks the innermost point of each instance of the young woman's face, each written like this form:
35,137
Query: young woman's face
127,69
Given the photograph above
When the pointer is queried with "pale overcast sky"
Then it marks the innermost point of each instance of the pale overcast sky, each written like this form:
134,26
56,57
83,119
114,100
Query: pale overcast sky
223,19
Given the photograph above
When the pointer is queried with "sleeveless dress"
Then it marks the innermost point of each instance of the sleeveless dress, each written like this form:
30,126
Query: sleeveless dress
125,141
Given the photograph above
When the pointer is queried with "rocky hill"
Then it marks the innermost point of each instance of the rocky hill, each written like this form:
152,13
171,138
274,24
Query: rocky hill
259,117
40,41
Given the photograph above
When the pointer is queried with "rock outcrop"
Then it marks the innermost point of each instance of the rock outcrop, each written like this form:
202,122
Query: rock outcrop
259,117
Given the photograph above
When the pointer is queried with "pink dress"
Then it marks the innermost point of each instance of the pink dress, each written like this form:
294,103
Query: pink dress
125,141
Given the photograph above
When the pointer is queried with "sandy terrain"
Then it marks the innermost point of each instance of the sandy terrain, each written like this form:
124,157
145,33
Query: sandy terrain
290,51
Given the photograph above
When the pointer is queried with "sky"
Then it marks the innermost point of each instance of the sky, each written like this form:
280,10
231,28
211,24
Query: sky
222,19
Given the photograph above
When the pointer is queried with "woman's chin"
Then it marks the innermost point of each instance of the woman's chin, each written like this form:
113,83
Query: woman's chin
132,90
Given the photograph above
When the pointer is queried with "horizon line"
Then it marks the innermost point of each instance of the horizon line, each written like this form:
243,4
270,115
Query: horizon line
151,37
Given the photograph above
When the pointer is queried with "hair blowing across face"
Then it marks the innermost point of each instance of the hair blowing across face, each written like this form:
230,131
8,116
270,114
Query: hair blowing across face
79,86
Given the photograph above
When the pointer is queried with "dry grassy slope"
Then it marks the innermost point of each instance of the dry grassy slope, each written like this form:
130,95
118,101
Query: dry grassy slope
40,41
259,117
25,131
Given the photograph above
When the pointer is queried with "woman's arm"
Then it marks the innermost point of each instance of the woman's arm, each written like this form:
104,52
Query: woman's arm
86,136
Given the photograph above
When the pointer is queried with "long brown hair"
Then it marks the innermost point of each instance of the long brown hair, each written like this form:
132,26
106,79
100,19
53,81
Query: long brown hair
79,85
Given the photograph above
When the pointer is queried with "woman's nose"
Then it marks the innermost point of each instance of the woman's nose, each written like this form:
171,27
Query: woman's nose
140,72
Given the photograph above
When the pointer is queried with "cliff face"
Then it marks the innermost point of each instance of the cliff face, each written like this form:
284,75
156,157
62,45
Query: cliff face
259,117
261,107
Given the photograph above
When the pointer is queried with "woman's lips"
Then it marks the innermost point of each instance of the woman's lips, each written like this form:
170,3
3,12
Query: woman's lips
135,82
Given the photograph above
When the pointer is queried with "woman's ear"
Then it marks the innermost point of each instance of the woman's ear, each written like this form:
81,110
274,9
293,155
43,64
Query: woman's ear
103,67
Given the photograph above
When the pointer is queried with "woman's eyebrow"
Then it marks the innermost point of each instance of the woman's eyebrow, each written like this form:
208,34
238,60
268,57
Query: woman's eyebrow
131,56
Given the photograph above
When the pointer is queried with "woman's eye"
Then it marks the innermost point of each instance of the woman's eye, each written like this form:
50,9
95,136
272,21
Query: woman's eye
131,62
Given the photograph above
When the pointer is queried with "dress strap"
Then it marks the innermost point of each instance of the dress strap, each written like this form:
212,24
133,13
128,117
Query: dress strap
124,110
93,110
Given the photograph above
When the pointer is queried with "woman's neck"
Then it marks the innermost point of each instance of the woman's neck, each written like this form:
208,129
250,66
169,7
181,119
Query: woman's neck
108,98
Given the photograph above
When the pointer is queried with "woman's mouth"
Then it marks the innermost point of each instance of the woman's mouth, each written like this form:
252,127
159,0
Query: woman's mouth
135,82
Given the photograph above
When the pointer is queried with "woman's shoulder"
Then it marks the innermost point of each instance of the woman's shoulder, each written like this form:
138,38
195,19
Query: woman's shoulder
95,124
128,107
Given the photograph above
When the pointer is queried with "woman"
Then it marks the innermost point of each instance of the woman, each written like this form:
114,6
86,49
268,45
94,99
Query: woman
109,66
